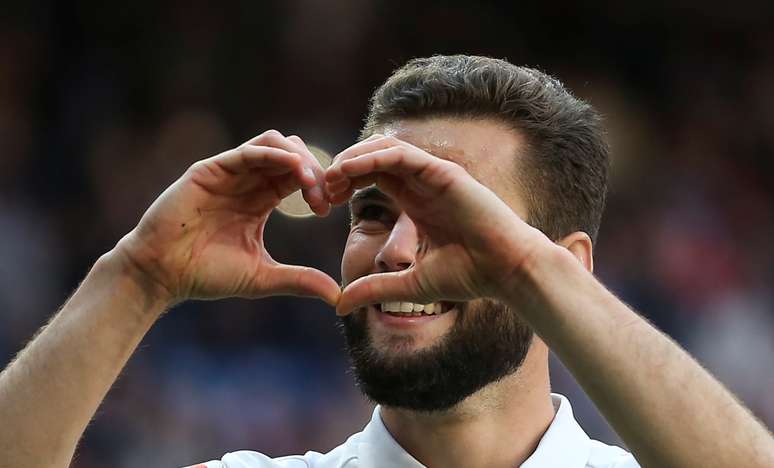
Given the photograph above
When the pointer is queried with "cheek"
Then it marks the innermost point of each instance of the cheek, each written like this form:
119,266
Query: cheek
358,258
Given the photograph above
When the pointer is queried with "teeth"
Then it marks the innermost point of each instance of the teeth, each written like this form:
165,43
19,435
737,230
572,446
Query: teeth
410,308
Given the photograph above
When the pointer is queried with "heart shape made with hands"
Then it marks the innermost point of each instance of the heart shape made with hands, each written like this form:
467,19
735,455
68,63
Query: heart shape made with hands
463,263
342,183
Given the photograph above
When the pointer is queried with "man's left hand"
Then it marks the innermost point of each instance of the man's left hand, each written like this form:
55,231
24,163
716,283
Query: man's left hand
471,242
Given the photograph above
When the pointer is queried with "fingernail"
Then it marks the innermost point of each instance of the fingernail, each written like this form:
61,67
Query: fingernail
309,172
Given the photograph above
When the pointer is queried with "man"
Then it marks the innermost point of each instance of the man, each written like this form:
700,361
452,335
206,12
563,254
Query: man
451,300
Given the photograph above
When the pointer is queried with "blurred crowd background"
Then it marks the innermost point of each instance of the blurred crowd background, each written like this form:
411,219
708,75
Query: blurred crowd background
104,104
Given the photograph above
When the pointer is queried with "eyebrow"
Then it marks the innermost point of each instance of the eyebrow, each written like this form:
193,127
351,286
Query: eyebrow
369,193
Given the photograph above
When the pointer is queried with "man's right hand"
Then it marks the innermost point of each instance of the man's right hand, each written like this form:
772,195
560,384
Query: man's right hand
203,237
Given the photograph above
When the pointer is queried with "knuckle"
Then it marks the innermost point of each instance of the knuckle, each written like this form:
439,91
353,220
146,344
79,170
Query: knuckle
449,165
269,137
398,152
197,166
453,170
294,160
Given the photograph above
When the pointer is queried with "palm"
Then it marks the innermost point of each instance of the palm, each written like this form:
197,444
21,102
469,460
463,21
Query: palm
225,250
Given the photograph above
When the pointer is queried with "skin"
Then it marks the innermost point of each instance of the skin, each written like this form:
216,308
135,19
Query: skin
217,211
502,424
202,238
492,252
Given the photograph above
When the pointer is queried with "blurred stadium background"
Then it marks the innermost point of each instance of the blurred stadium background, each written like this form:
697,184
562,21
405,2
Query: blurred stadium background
104,104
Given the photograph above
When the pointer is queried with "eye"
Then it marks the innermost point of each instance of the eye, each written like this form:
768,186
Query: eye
371,213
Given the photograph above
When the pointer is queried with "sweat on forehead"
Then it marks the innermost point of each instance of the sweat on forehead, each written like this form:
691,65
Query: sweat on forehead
486,148
431,135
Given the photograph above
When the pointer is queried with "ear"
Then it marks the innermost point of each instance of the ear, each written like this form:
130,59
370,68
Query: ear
579,243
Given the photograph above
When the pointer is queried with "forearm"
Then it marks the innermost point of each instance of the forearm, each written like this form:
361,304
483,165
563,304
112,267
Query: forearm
53,388
665,406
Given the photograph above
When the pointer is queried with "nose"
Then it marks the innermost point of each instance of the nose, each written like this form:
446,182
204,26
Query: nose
400,250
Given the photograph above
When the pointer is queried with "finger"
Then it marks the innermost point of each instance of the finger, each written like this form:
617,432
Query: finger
354,148
350,185
342,196
364,181
431,174
275,139
388,183
338,186
368,145
268,138
395,159
285,185
245,158
273,172
381,287
294,280
314,195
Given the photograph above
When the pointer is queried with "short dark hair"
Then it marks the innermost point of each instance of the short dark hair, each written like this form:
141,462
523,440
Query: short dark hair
565,170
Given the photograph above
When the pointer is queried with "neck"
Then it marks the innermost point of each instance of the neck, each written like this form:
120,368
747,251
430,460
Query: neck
499,426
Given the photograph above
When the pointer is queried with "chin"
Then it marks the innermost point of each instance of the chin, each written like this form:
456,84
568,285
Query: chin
432,364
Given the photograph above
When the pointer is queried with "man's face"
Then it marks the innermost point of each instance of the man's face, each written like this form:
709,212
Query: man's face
435,361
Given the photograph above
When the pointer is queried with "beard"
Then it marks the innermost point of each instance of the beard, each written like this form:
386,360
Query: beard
487,342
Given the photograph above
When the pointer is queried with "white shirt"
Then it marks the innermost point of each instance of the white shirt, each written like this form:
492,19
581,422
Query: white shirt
564,445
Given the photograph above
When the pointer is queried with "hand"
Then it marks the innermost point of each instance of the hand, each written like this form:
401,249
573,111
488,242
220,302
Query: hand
473,242
203,237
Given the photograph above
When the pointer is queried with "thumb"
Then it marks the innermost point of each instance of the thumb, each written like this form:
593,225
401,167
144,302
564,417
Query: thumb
380,287
295,280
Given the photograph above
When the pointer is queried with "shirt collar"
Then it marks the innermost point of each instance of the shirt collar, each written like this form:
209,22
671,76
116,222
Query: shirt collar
378,449
563,444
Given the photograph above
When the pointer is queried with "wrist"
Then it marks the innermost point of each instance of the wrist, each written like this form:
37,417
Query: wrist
135,280
529,288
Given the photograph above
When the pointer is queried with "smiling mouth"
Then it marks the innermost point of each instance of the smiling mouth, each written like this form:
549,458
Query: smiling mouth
411,309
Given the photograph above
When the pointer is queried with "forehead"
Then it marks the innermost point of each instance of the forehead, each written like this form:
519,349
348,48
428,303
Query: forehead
488,150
